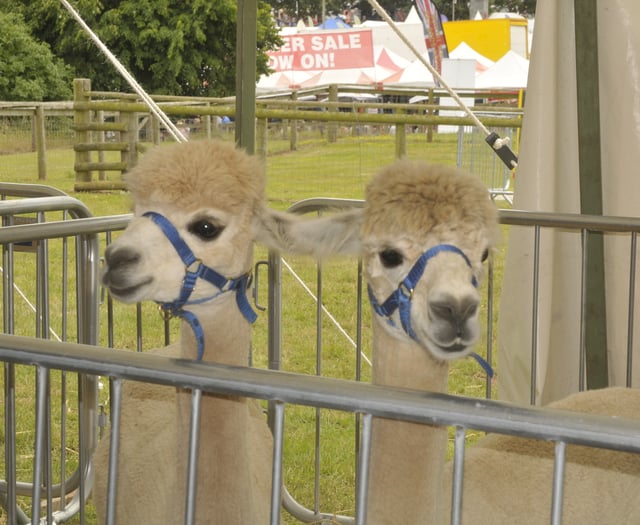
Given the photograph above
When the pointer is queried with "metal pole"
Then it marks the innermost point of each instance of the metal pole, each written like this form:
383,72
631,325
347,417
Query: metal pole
246,39
589,160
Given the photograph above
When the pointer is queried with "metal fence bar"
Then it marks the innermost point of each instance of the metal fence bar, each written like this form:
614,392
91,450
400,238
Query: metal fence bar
458,475
10,441
490,306
42,391
630,316
362,483
399,404
534,319
318,429
559,463
192,466
277,480
116,405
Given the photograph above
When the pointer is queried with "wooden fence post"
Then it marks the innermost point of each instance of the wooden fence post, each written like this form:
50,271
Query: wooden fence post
205,121
431,101
81,121
261,137
101,139
131,138
401,138
332,127
41,143
293,127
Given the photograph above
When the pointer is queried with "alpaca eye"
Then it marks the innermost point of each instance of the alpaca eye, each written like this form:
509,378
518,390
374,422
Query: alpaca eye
391,258
205,229
485,255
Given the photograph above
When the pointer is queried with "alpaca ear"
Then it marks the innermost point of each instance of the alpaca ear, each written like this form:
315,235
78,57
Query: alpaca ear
321,237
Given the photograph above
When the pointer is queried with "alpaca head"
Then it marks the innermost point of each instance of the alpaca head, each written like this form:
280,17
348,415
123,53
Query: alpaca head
210,192
443,219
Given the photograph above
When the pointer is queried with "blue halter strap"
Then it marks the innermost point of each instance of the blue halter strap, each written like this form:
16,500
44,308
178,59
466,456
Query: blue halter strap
194,270
400,298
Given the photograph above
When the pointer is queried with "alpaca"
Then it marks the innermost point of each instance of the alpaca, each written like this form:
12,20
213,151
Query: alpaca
445,220
508,479
212,194
428,315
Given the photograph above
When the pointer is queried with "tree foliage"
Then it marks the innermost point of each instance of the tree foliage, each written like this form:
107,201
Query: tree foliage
178,47
28,69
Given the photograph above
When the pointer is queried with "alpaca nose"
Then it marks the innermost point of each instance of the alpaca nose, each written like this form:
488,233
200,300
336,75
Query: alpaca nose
455,312
117,261
115,257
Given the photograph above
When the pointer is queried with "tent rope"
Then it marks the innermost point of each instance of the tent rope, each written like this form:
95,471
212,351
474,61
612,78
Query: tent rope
499,145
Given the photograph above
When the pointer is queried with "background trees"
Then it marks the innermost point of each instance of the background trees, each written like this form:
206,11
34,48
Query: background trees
178,47
28,69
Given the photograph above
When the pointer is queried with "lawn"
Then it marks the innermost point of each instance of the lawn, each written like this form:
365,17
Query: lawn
316,168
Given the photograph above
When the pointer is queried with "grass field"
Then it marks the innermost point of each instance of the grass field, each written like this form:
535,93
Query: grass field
315,169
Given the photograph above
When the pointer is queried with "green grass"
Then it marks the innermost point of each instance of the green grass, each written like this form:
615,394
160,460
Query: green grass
315,169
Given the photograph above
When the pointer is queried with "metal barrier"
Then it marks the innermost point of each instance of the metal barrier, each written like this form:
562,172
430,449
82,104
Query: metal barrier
285,389
280,389
27,308
475,156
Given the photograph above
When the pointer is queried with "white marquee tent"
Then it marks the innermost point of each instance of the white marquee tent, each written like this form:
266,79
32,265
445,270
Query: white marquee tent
464,51
415,74
548,178
511,71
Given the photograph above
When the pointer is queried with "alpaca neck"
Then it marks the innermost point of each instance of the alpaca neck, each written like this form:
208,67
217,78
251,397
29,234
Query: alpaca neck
407,459
227,334
223,456
402,363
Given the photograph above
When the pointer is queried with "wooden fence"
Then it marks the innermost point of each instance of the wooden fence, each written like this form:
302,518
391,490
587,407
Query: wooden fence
112,129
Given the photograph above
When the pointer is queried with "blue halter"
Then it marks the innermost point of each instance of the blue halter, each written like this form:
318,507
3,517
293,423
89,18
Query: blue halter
400,298
175,308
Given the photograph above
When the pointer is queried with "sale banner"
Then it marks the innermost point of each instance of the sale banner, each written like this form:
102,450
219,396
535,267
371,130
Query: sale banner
325,50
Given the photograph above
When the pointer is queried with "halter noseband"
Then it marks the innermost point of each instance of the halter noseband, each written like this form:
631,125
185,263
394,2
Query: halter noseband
400,298
194,270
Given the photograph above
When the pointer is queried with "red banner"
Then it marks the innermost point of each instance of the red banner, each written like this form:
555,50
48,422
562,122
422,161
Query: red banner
326,50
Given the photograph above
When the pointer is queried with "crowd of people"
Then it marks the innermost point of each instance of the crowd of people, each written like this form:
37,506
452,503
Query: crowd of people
282,18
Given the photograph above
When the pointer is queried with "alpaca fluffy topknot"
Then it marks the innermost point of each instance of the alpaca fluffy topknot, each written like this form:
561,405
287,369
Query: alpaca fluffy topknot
419,198
225,176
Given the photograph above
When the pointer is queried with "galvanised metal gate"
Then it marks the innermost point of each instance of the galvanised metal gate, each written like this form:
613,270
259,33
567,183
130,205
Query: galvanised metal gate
44,359
28,308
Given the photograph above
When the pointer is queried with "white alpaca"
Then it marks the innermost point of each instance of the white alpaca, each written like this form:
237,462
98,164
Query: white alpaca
213,195
413,210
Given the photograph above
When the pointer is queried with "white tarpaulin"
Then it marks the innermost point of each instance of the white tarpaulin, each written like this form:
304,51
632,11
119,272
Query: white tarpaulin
547,179
511,71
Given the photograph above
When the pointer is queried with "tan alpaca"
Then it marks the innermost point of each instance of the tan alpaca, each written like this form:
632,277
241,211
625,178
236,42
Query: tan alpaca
410,208
508,480
213,194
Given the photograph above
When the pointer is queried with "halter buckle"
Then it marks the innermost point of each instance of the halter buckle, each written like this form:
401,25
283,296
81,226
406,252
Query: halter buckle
165,313
195,264
404,289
